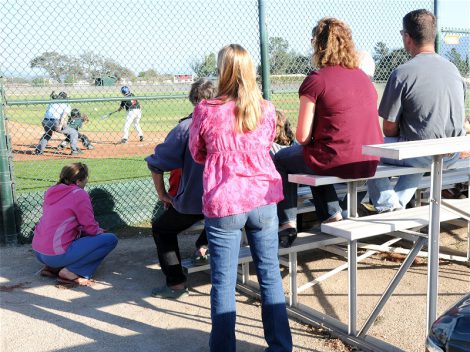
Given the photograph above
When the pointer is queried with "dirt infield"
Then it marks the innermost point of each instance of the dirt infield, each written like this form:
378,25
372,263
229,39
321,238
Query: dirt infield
24,138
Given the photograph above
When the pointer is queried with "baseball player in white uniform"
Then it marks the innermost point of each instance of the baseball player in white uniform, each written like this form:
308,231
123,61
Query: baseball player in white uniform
134,113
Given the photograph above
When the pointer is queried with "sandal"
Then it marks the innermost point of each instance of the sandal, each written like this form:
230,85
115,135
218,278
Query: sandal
47,271
79,281
69,283
199,259
287,237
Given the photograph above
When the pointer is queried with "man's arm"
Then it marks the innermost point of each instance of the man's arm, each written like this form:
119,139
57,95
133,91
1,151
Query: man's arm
160,188
390,129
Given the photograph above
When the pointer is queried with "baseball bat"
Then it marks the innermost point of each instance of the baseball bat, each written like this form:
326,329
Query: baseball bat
108,115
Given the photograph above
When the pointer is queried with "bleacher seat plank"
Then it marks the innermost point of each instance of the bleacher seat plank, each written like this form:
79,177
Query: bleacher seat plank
373,225
382,171
305,241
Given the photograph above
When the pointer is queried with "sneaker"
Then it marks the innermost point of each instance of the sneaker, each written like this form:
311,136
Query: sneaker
199,259
141,138
62,145
123,141
37,152
90,147
287,237
368,209
76,152
169,293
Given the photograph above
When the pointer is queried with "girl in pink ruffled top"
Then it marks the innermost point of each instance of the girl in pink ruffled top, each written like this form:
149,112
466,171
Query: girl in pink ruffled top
232,135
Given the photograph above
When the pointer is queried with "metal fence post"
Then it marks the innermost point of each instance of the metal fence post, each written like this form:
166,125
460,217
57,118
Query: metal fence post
264,43
9,230
438,34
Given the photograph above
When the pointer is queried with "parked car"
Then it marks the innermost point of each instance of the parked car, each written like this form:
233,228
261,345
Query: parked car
451,331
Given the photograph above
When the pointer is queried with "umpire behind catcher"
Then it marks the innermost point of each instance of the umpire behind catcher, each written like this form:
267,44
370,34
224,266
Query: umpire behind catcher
54,121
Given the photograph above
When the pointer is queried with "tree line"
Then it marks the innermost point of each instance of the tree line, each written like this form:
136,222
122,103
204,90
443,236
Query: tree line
88,66
282,61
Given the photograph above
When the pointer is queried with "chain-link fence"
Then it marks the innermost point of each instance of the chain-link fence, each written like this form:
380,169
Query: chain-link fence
89,49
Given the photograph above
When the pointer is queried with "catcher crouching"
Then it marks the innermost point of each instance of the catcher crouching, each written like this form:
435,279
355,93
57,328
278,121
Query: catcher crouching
76,121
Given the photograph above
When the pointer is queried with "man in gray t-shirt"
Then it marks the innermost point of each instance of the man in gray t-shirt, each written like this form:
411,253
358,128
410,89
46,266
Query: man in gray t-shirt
423,99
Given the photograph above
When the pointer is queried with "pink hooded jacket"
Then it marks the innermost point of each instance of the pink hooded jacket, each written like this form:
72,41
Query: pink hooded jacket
67,214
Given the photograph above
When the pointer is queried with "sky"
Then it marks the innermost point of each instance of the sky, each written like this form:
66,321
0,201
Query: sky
171,35
454,13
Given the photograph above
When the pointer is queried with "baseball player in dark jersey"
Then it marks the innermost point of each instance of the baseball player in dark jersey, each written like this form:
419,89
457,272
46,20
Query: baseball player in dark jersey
134,113
76,121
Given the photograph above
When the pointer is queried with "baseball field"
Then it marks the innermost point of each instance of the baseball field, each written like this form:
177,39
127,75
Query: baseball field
120,183
109,161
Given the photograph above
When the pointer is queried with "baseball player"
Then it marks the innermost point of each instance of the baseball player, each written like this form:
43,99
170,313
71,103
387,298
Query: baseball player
76,121
54,121
133,114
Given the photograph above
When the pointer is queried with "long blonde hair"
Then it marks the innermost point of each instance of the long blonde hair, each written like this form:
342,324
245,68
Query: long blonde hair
237,81
333,44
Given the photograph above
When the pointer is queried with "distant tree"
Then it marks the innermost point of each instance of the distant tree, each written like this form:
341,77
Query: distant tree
206,67
380,51
299,64
87,65
112,68
16,80
40,82
462,64
149,74
92,64
386,61
55,64
279,57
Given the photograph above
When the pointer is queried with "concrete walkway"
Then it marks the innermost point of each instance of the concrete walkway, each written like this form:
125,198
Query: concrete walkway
118,313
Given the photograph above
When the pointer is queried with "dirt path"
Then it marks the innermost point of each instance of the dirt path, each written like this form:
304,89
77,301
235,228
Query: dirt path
24,138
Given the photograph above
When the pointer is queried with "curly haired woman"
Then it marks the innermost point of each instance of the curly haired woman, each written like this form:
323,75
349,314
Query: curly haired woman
337,116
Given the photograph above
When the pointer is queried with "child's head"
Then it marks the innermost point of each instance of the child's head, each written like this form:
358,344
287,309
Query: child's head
237,81
202,89
284,133
75,114
76,173
125,90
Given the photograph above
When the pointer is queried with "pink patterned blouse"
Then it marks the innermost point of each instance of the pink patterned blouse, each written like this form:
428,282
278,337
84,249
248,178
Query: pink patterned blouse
239,174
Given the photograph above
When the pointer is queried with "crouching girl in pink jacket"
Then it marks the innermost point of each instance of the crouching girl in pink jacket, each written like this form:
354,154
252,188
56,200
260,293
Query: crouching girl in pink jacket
67,239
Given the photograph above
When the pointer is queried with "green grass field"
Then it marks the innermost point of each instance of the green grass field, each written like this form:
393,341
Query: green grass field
157,115
40,174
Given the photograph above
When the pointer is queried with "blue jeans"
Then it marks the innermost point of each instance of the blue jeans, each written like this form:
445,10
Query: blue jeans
224,235
291,161
84,254
384,197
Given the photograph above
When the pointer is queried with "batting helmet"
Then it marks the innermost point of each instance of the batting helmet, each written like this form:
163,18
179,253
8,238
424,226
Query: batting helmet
62,95
75,113
125,90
